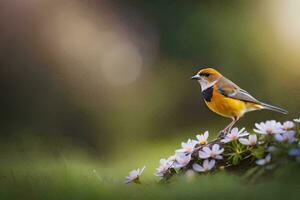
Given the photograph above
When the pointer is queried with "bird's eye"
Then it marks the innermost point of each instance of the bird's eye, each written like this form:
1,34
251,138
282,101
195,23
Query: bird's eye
204,74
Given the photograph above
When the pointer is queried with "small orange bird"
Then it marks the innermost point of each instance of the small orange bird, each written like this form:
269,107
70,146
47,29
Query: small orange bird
225,98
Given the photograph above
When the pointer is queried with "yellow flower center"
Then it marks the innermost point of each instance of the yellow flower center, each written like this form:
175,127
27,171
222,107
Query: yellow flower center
203,142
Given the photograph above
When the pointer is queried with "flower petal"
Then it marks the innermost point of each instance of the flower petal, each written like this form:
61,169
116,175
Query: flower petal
211,164
234,130
294,152
206,150
206,134
203,155
198,168
261,162
215,147
244,141
226,140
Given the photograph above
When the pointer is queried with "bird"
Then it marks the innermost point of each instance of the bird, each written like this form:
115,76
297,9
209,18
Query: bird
227,99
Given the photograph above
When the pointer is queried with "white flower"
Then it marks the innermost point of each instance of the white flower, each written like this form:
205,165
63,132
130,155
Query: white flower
252,140
187,147
297,120
295,152
207,165
164,166
134,175
288,125
202,139
271,149
285,137
181,160
172,157
235,134
213,153
268,128
264,161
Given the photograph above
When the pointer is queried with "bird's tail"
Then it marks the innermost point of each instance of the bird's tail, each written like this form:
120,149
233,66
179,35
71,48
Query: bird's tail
274,108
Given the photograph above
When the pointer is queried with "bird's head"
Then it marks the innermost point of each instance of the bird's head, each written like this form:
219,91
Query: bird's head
207,77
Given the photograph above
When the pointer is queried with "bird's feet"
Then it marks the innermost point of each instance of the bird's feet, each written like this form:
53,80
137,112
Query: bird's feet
222,134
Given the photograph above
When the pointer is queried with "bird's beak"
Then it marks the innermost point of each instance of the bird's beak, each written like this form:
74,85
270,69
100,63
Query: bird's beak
196,77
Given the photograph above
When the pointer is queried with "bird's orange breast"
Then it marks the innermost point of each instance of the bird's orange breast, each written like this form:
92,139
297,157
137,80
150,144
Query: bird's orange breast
225,106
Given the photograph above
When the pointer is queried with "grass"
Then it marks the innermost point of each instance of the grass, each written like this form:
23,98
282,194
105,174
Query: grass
77,181
32,173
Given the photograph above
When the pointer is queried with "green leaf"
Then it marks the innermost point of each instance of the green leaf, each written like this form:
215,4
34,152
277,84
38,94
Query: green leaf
258,152
236,159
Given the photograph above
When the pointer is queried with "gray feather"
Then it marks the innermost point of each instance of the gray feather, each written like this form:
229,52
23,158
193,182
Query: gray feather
229,89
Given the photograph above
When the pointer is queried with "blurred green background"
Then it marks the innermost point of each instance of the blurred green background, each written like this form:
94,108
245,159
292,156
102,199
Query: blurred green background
105,84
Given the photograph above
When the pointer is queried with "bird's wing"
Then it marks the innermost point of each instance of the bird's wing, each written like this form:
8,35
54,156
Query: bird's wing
229,89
